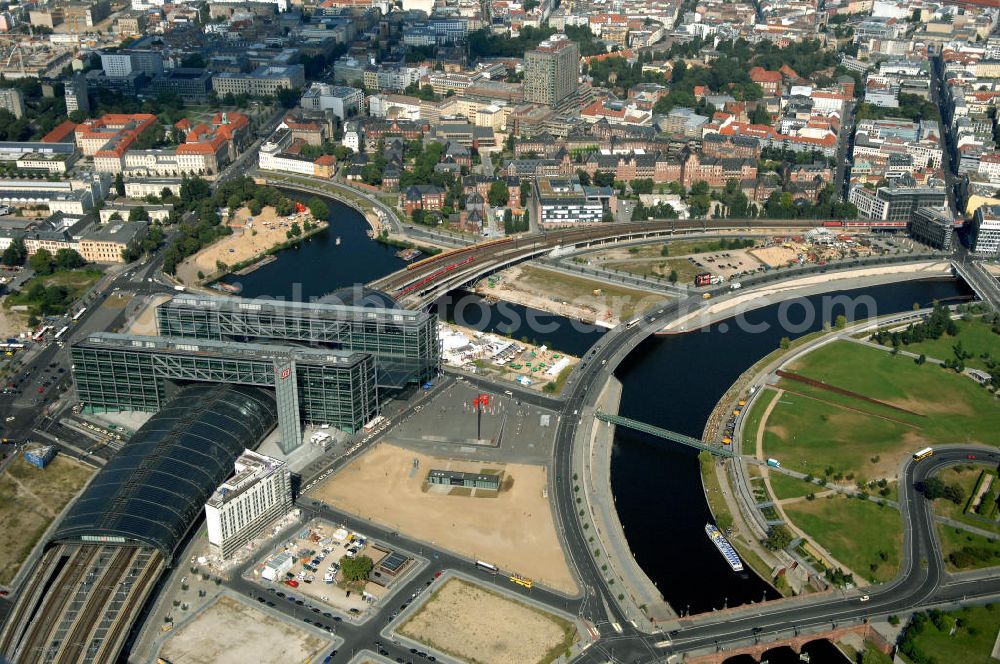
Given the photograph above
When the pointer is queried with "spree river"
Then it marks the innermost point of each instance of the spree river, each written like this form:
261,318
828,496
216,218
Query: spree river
671,381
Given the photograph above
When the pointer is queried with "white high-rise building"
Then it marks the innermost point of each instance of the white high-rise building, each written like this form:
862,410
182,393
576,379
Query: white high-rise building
986,230
256,495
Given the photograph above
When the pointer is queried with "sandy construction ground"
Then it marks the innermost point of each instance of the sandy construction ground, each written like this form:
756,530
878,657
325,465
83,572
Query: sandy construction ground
569,296
514,530
265,231
12,323
231,632
480,626
774,256
145,322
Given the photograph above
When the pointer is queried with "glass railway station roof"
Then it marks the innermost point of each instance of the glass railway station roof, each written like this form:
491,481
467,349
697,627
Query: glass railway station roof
156,486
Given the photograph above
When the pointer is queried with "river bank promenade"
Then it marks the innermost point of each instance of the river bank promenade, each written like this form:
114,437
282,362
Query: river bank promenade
638,596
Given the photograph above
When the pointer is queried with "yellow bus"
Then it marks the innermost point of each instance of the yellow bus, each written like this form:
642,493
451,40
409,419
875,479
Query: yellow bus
923,454
522,580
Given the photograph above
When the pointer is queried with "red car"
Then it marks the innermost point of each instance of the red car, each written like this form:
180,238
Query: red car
971,456
41,389
293,583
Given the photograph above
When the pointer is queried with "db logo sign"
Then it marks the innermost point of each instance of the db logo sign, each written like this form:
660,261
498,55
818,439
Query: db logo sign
285,373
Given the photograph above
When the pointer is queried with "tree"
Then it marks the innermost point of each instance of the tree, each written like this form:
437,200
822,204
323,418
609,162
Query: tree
673,276
498,194
287,97
785,343
584,177
356,569
932,488
119,184
318,208
15,253
840,322
41,262
68,259
778,537
138,214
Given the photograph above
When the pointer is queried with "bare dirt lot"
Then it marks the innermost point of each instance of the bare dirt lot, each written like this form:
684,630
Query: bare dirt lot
231,632
775,256
145,322
265,231
478,625
514,530
567,295
30,499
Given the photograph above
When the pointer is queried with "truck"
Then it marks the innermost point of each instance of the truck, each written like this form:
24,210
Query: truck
773,463
703,279
735,285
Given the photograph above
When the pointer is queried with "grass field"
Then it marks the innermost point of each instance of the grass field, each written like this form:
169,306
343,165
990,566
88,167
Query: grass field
29,501
790,487
818,428
859,533
976,337
753,418
954,539
971,642
810,436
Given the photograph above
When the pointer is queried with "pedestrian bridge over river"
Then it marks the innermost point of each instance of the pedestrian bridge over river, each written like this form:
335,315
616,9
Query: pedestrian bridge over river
618,420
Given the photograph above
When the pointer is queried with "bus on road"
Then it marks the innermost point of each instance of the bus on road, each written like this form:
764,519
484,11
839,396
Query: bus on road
492,569
923,454
522,581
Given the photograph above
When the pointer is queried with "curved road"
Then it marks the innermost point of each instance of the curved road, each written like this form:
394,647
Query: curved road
919,582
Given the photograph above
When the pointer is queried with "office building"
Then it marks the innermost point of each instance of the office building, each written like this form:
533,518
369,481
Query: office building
551,71
895,203
259,493
344,101
933,227
76,95
123,63
191,85
405,343
265,81
985,237
563,201
11,100
119,372
113,242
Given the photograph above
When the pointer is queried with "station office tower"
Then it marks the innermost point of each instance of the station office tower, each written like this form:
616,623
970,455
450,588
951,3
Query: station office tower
551,71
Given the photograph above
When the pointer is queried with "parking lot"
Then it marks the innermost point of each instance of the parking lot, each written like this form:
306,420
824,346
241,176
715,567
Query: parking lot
306,571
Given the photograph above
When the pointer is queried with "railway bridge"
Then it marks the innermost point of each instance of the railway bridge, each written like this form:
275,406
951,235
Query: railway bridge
424,281
796,642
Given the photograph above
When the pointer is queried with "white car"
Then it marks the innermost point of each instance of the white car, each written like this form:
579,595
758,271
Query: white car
865,598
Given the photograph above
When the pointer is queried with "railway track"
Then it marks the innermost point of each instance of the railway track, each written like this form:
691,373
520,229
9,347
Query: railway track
93,604
41,623
431,272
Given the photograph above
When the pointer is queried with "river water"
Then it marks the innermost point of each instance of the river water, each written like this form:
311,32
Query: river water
671,381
